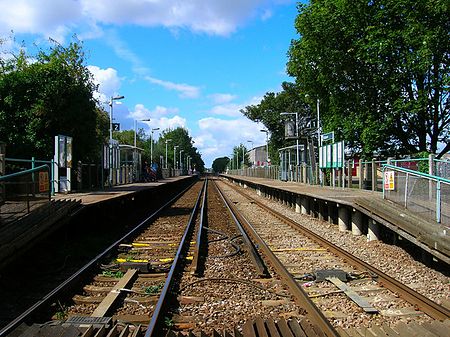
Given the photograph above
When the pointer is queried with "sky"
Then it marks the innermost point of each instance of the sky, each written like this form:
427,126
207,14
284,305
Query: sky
180,63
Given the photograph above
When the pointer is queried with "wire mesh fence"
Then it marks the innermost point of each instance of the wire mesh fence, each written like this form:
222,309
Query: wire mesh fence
425,195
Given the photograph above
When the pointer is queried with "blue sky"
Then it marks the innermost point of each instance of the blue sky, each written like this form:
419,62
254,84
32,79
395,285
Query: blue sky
191,63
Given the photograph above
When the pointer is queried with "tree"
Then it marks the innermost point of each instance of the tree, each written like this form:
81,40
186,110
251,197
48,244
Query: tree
269,110
51,96
219,165
179,137
380,69
240,157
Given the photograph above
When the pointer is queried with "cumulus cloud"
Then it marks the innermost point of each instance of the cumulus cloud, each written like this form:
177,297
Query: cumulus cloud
107,80
218,17
141,112
217,137
185,90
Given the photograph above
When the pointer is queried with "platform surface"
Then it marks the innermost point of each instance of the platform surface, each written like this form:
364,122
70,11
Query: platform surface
88,198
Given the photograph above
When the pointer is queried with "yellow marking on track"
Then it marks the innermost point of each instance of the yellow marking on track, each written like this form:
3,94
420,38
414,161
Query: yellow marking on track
299,249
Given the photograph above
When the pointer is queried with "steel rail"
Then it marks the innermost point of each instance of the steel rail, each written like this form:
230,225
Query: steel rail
196,259
301,297
419,301
156,321
254,255
75,277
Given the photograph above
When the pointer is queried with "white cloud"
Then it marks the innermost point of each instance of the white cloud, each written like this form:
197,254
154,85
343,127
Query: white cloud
185,90
217,136
107,80
141,112
170,123
222,98
218,17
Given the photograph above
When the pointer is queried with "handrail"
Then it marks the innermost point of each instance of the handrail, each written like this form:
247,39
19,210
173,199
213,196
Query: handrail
16,174
417,173
28,160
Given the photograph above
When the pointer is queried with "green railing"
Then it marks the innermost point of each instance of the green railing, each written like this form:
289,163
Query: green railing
21,191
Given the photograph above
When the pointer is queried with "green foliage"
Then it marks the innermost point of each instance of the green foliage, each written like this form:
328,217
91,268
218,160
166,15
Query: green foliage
115,274
380,70
290,99
151,290
236,160
179,137
51,96
219,165
168,322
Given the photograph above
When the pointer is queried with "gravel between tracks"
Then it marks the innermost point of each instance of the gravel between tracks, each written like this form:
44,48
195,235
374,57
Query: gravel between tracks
228,304
390,259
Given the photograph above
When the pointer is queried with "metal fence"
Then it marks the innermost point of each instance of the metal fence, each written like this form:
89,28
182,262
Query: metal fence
23,191
424,194
267,172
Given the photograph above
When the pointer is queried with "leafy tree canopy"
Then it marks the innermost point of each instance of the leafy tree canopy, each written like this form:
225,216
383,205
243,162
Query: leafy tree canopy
380,69
50,96
219,165
178,137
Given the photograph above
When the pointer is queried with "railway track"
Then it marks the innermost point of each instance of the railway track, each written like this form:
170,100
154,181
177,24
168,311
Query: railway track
204,266
357,297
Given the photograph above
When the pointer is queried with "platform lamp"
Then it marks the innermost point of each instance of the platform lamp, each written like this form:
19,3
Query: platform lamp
181,163
151,144
113,98
267,145
167,141
251,141
174,156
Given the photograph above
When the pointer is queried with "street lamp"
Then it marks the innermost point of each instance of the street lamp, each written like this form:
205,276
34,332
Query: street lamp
151,145
267,145
174,156
135,128
296,131
251,141
167,140
181,163
110,134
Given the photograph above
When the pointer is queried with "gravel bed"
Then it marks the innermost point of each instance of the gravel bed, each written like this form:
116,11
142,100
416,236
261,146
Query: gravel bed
231,290
385,257
390,259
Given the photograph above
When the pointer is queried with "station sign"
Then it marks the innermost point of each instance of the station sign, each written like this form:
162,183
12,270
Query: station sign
327,137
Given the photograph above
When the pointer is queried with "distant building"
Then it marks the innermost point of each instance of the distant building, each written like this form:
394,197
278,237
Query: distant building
258,156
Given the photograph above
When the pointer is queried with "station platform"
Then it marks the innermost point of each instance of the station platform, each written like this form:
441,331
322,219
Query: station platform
363,212
119,191
22,232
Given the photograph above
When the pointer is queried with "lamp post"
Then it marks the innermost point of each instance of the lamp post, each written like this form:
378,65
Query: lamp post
110,134
167,140
135,128
267,145
175,157
296,131
181,163
151,145
251,141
